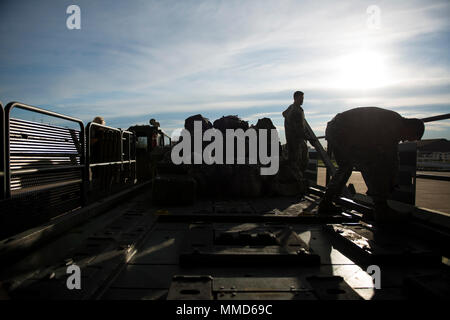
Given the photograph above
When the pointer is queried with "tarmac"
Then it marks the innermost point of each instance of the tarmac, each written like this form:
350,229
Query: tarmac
430,194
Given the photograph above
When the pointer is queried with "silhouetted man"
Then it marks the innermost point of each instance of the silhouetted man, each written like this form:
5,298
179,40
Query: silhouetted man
294,127
367,138
99,120
154,123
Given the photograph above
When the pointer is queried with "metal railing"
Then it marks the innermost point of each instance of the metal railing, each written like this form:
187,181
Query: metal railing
29,143
164,135
114,158
121,157
44,169
110,158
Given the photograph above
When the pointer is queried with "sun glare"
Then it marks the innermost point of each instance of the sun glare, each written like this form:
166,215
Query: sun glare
362,70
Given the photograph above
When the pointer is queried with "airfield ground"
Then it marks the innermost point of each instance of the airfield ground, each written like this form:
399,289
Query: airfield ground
430,194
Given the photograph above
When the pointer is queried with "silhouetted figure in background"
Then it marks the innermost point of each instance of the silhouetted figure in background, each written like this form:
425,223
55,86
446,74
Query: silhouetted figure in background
367,138
99,120
154,123
294,127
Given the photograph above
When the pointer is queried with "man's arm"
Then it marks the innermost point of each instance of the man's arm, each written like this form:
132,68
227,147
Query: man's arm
301,124
286,112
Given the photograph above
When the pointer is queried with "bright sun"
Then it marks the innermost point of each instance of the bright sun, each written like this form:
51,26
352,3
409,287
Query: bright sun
362,70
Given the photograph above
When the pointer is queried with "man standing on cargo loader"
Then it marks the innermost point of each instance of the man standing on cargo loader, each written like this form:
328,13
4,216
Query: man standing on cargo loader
367,138
294,127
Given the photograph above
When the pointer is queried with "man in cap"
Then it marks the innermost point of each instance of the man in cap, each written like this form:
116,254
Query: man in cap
367,138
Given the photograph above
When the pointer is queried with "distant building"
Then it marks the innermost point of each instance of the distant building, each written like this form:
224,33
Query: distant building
433,150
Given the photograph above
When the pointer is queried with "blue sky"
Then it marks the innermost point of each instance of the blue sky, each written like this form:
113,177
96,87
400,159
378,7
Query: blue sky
136,60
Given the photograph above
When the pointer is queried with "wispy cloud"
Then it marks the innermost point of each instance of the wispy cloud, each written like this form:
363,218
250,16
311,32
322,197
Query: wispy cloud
131,60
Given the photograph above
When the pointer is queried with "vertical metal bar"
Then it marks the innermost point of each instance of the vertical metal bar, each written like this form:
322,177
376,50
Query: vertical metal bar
129,157
85,170
130,163
87,174
328,173
88,149
2,155
134,158
414,176
121,150
129,148
121,168
7,155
